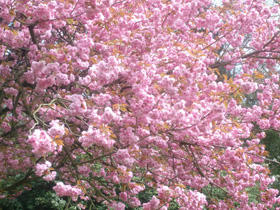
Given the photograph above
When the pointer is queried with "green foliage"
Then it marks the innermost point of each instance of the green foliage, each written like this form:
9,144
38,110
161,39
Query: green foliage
173,205
272,144
50,200
147,194
254,194
11,180
11,204
100,207
40,197
214,193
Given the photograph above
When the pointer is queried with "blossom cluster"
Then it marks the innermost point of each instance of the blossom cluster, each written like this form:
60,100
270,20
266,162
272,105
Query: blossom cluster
110,98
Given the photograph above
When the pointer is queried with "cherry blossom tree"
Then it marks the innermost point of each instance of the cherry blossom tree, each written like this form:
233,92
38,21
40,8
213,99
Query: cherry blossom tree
108,97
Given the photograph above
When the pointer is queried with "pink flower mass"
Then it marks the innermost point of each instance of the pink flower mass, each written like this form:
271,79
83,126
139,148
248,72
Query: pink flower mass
41,143
108,99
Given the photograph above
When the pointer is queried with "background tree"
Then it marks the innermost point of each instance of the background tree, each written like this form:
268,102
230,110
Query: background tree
107,99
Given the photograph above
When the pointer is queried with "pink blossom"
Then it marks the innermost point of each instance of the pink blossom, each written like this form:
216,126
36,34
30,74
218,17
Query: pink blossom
67,190
41,169
78,104
135,202
264,123
50,176
11,91
155,92
41,142
117,205
122,156
57,129
152,204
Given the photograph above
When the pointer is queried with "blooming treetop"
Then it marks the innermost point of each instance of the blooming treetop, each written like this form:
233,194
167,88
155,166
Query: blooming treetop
106,98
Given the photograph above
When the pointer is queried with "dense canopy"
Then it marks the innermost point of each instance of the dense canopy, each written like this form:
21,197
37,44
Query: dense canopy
106,98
